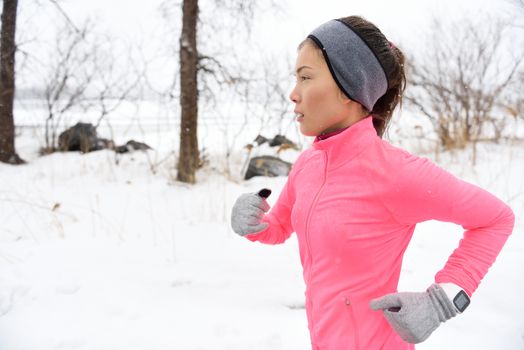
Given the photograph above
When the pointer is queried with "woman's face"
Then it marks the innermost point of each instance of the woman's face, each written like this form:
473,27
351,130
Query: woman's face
320,106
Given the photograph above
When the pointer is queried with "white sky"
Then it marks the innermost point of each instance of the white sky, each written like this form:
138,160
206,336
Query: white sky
404,22
131,15
400,20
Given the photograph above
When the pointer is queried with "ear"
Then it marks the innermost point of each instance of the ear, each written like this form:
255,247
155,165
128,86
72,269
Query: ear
343,98
352,104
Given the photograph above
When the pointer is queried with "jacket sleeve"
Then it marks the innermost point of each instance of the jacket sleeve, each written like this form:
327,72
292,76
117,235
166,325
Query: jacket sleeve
279,217
425,191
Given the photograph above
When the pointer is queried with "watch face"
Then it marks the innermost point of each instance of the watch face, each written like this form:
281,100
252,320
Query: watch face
461,301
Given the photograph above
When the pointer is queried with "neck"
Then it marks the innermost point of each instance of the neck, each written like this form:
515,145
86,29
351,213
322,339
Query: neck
327,135
353,118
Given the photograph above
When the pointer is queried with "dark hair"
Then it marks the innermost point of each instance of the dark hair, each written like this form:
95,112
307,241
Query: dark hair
391,59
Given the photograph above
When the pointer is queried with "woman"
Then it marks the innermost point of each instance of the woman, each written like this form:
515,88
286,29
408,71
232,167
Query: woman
354,200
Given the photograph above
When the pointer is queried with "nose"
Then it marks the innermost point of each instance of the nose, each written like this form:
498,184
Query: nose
294,96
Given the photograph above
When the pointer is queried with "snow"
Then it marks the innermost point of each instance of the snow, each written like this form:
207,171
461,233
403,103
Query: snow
129,260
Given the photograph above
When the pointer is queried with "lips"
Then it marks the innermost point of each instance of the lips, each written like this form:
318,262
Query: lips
299,116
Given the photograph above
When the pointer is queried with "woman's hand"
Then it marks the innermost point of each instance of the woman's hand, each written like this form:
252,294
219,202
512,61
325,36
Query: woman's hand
414,316
248,211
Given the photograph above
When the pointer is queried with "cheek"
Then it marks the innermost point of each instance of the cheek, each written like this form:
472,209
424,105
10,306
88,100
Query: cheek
318,96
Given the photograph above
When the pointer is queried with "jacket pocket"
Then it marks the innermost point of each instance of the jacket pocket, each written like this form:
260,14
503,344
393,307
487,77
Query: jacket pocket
350,311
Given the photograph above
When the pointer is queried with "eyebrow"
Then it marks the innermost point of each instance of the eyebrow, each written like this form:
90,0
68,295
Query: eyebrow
302,68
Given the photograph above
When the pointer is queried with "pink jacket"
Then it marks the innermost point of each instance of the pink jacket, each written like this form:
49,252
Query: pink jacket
353,201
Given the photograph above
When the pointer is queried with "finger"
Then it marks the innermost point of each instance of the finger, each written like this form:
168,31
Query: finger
265,206
255,201
258,228
259,203
262,205
252,212
250,217
252,220
386,302
248,205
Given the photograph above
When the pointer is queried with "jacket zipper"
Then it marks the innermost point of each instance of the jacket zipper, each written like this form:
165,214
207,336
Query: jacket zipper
313,204
353,320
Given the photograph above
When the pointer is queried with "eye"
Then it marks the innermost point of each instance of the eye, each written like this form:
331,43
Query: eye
303,77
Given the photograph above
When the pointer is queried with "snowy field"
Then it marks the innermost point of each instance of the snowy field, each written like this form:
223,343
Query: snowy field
102,253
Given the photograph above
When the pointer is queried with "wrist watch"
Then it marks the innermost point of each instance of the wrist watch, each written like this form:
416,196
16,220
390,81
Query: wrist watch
457,295
461,301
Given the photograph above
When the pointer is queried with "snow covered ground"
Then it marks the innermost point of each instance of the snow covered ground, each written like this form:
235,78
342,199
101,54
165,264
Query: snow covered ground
96,255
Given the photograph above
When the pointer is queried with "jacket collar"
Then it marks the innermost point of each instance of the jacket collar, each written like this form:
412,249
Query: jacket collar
346,145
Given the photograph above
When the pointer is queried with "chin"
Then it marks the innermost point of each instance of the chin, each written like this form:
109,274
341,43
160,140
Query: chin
308,132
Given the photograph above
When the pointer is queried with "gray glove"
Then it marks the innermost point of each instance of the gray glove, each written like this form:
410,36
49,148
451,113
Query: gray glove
248,212
414,316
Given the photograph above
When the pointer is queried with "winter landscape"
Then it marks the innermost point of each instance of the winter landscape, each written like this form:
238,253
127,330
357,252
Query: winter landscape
107,251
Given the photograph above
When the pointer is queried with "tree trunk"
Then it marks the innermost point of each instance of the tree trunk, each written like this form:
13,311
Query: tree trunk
7,83
188,160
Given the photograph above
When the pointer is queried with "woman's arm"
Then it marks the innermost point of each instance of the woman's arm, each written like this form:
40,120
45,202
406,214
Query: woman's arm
425,191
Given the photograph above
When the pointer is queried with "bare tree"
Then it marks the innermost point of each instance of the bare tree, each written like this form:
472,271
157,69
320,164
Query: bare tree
462,81
7,83
84,76
69,77
114,85
258,91
189,153
514,102
201,74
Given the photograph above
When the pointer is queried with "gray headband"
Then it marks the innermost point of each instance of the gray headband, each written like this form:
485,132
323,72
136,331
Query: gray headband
355,68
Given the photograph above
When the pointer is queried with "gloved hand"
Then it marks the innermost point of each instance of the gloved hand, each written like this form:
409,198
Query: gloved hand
414,316
248,211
